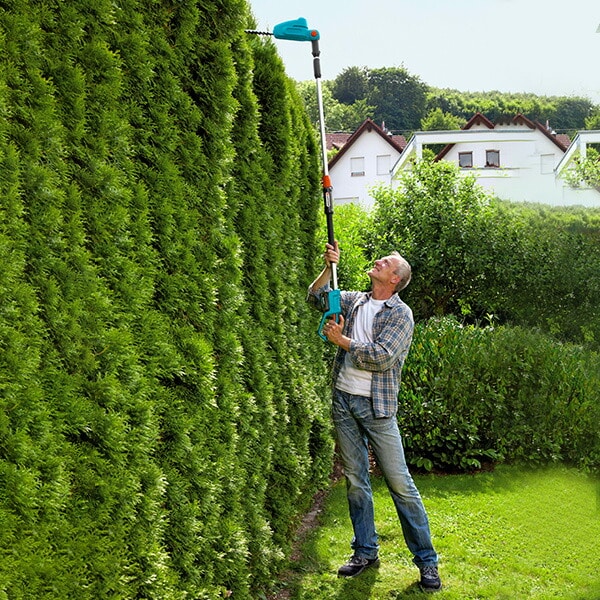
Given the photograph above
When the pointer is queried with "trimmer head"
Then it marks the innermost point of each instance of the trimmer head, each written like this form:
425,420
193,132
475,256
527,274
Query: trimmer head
296,30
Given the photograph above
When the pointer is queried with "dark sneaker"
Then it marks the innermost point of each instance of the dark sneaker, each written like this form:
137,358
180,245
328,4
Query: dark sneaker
430,579
356,565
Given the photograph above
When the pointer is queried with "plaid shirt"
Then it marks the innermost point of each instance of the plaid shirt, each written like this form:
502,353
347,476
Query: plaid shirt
384,357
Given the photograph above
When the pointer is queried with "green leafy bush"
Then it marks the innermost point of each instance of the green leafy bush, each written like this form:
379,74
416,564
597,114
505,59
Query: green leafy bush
473,394
586,172
477,257
479,391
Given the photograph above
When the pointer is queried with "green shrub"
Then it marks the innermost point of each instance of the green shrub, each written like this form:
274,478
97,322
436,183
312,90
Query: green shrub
475,256
472,394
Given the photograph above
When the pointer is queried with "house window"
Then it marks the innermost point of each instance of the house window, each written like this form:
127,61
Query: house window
357,166
383,164
465,160
492,158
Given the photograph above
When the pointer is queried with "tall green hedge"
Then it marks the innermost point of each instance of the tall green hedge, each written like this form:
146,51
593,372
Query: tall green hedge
162,417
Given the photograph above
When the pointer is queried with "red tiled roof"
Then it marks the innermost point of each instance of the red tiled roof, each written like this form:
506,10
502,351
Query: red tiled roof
400,140
563,139
478,119
336,140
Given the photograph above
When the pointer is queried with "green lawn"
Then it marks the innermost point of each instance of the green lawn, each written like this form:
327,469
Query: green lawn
511,534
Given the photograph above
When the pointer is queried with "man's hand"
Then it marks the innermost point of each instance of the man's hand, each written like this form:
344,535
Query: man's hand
333,332
332,254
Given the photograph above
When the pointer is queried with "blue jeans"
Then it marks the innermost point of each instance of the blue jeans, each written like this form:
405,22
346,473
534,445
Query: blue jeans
356,428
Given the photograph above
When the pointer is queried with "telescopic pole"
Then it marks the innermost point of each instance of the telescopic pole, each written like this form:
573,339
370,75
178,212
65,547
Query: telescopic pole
333,298
298,31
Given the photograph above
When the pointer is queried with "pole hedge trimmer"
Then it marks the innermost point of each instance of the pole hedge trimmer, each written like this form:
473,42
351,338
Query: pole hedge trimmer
298,31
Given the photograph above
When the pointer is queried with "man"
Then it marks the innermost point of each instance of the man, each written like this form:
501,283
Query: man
373,335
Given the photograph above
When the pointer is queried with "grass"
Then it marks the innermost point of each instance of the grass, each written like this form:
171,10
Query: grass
514,533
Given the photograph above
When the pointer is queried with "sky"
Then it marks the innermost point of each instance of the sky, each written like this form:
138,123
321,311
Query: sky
544,47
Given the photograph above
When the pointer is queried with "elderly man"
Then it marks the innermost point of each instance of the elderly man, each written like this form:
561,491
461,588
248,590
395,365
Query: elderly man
373,335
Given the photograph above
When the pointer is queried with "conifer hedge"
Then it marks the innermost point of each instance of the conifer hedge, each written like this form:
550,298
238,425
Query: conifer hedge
163,417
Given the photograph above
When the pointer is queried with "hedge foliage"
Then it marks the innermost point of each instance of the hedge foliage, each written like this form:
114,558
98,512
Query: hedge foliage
483,394
161,424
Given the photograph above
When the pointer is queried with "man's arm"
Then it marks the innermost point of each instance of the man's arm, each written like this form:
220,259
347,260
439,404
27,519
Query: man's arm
378,355
333,331
333,328
392,342
331,255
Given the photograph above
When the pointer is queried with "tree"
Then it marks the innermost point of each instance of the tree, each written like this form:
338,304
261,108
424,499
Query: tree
571,113
399,97
350,85
435,219
338,116
563,113
476,256
438,120
593,121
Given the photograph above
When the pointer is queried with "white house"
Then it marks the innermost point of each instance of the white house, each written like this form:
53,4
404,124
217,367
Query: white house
365,159
577,149
516,159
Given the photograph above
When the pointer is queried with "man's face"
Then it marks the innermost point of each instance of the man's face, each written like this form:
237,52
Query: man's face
384,270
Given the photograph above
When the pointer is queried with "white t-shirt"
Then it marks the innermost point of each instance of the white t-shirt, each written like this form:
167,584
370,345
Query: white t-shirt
350,379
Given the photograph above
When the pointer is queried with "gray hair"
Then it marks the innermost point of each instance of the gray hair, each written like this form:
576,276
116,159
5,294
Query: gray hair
403,270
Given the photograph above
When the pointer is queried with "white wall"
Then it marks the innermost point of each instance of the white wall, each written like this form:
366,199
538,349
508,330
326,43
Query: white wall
347,188
520,176
528,160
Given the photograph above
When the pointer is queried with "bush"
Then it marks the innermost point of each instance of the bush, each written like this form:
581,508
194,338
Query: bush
477,392
474,394
475,256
